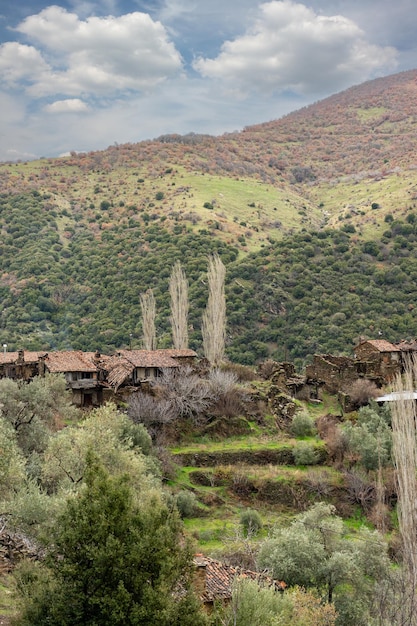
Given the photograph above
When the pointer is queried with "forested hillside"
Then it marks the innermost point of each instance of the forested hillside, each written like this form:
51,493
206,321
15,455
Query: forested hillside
313,215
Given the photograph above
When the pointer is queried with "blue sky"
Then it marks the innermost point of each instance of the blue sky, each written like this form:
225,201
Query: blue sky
81,75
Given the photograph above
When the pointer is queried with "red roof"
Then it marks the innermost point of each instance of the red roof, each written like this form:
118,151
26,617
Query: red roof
381,345
70,361
149,358
219,578
28,357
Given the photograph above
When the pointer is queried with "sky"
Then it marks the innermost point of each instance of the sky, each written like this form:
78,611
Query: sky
82,75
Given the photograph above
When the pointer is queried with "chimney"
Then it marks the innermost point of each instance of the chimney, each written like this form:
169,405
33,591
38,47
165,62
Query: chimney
20,356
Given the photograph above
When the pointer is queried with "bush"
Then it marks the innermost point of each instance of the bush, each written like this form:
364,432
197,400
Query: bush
302,425
186,502
251,522
305,454
362,391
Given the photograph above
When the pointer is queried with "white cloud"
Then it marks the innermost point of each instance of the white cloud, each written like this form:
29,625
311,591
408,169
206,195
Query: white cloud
95,56
73,105
19,62
292,48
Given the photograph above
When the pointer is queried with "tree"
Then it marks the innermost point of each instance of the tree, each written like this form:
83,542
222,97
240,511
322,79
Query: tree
147,303
314,553
404,434
214,317
371,438
112,561
178,289
36,409
12,467
117,442
257,604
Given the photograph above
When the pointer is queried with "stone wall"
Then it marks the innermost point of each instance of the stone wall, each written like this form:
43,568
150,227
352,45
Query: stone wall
336,372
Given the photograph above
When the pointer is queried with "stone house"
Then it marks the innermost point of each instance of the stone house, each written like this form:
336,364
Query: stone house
93,377
133,367
381,356
83,373
21,365
331,372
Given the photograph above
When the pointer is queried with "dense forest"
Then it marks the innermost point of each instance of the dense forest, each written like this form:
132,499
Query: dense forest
311,292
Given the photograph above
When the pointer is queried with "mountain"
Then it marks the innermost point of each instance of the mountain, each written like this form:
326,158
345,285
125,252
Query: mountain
313,215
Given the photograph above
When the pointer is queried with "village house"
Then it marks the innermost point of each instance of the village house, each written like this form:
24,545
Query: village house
133,368
383,355
83,373
93,377
21,365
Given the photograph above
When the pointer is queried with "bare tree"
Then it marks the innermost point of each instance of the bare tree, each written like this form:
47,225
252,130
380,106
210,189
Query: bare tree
147,304
178,290
214,317
404,433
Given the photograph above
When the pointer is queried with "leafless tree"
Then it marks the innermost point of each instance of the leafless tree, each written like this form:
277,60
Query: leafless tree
178,290
214,317
404,433
188,394
147,304
150,412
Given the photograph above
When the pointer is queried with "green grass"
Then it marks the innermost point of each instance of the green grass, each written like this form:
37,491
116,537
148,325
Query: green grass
348,198
328,406
233,445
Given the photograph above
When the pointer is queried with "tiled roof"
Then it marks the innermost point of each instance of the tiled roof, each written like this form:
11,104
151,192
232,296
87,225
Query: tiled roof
149,358
382,345
11,357
118,369
219,578
70,361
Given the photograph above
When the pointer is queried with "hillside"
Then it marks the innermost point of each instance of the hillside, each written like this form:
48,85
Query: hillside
313,215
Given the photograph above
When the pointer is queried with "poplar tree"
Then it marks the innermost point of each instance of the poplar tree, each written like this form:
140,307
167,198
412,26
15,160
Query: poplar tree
178,290
147,304
404,434
214,317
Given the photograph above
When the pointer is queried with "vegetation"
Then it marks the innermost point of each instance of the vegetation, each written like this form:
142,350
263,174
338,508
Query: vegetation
111,560
317,235
313,237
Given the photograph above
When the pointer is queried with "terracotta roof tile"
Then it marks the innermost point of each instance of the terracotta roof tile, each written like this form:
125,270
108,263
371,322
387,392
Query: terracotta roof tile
382,345
407,346
118,369
11,357
70,361
149,358
219,578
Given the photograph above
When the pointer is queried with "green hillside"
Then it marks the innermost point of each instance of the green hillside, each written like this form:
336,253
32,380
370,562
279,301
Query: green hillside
313,216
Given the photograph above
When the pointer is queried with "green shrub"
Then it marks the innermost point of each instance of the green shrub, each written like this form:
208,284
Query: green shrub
305,454
186,503
251,522
302,425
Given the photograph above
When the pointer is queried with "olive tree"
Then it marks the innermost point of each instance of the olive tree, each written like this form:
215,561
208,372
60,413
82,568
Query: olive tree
314,552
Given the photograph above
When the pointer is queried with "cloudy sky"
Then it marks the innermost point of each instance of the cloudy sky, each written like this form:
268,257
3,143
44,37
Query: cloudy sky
83,74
